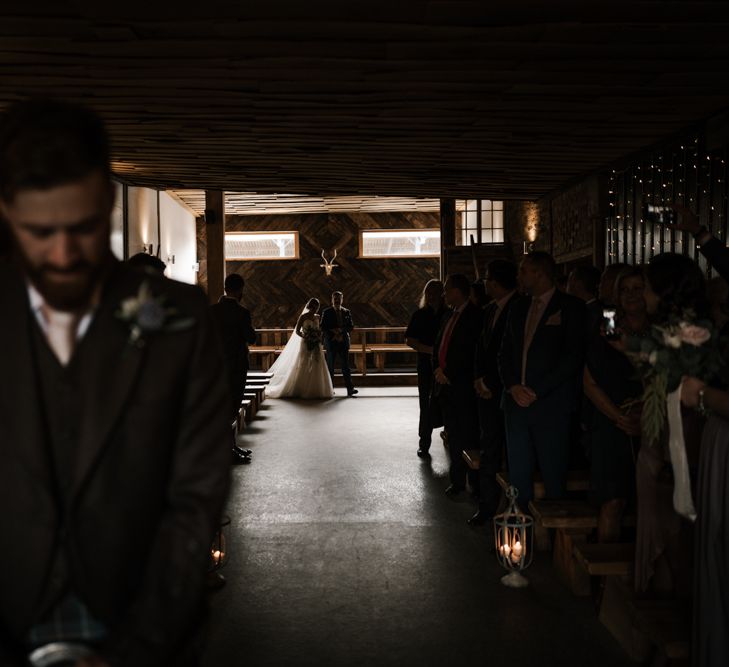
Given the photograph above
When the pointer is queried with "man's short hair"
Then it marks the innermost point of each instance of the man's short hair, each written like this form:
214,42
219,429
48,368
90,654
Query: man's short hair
46,143
589,277
544,262
147,262
234,283
337,294
503,272
461,283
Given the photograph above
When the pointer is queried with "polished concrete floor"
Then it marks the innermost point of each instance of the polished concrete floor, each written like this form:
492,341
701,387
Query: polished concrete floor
344,551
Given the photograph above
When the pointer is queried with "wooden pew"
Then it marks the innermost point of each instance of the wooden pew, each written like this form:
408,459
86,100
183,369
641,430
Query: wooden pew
644,628
577,480
606,560
572,521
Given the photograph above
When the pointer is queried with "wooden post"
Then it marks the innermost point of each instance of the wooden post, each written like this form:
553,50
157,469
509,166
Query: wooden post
215,229
447,232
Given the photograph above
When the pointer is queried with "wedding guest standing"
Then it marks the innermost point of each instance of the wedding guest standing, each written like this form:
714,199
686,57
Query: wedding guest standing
453,356
540,363
710,645
113,416
614,391
500,285
420,335
236,333
583,282
674,283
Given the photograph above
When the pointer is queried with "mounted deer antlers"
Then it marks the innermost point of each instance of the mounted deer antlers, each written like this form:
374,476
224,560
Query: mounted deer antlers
329,264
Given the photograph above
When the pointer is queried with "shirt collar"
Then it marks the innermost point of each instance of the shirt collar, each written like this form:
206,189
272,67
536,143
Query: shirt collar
545,298
37,304
503,300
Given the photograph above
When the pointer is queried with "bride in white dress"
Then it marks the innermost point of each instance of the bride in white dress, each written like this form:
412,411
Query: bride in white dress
301,369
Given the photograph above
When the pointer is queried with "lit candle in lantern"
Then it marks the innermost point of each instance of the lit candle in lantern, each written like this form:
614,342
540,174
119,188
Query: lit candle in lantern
505,550
516,552
217,557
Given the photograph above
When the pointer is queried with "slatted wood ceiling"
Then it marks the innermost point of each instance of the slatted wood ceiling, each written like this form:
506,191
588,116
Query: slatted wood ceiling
402,98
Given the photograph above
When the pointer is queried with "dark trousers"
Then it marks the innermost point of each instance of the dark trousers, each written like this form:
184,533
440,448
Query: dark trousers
460,419
237,383
541,437
425,423
335,351
492,440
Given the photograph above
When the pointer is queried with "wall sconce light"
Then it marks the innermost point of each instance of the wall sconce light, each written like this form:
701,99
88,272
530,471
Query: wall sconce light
170,259
528,247
148,249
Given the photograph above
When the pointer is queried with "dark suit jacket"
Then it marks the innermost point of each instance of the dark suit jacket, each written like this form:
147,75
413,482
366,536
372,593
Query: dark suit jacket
556,355
717,254
151,473
329,322
236,332
489,344
462,345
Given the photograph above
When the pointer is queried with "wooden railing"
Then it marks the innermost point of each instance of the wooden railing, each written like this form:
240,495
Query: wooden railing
378,341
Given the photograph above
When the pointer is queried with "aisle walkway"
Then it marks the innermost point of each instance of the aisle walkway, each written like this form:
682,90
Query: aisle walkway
344,551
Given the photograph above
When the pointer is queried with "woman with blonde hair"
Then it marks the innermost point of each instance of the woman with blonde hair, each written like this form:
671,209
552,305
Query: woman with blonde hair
420,335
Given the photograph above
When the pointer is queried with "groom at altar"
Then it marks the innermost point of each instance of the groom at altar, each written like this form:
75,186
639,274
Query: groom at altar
336,325
113,418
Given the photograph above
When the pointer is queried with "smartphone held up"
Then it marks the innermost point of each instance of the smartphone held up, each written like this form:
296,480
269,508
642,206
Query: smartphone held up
659,215
609,325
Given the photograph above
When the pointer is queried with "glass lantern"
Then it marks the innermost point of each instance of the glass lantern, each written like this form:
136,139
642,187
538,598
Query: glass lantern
218,550
513,533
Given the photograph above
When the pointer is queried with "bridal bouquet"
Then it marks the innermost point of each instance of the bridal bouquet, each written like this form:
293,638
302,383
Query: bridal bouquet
312,338
679,347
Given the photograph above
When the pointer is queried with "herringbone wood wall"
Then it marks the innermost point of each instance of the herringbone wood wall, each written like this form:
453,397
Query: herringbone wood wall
380,292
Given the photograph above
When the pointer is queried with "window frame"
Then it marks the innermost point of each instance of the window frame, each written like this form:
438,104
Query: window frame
381,230
268,232
465,229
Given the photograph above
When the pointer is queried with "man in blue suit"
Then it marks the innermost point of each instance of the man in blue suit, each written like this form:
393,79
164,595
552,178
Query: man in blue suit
540,363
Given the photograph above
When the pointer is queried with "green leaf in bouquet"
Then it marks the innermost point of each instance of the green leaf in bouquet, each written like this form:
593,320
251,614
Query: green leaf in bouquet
654,408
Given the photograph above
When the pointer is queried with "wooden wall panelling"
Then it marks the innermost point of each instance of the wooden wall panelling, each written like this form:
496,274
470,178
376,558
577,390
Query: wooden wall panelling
380,292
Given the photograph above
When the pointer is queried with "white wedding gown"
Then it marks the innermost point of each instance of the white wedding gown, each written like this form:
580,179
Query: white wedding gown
300,372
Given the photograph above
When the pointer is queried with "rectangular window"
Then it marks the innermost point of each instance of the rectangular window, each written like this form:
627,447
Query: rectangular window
479,219
399,243
261,245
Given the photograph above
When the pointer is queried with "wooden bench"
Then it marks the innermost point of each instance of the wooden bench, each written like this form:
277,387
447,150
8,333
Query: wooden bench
267,352
572,521
577,480
642,626
381,349
606,560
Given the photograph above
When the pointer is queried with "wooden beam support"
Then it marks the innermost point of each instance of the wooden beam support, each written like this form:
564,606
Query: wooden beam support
215,231
447,232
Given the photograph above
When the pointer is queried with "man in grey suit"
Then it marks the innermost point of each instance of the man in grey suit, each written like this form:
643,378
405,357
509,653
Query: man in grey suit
113,417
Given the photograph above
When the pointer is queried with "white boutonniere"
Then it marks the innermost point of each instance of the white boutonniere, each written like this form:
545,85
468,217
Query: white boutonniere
147,314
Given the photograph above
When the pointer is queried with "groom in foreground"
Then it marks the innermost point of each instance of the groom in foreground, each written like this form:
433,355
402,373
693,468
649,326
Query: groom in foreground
336,325
114,438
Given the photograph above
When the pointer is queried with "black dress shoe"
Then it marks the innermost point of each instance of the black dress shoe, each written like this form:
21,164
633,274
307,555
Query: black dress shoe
478,519
424,453
240,458
243,452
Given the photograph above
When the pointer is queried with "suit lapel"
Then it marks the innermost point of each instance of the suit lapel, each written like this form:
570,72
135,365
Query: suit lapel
20,405
114,366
